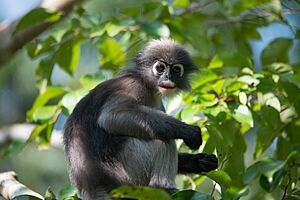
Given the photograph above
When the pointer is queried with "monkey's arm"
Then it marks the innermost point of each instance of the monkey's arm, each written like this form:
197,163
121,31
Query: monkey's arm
125,117
196,163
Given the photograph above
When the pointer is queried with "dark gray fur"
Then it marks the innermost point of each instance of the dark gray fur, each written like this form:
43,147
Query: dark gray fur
119,134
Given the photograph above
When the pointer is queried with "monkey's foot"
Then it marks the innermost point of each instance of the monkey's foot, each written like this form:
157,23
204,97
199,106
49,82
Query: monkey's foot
204,163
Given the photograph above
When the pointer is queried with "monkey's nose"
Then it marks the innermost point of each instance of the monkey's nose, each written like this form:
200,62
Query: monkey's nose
167,76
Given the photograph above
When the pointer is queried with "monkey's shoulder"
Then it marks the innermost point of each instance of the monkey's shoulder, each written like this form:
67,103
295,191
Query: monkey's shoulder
126,82
125,86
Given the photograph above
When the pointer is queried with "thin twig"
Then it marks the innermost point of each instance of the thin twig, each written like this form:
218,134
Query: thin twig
196,6
286,186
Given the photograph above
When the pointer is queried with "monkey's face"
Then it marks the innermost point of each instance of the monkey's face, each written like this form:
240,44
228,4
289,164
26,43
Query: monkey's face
166,65
168,76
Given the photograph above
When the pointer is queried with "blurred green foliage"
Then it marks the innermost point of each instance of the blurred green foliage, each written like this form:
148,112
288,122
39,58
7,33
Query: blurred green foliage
229,99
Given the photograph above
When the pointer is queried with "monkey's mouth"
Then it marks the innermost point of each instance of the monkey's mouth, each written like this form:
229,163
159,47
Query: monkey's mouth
166,90
168,85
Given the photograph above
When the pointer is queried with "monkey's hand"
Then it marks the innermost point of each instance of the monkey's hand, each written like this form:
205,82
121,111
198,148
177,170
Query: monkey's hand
197,163
193,138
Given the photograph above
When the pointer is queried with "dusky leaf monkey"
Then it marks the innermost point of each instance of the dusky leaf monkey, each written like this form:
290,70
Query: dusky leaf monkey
119,133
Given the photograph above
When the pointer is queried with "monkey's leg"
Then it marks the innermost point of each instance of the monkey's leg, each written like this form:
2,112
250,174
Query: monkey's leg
89,174
165,167
196,163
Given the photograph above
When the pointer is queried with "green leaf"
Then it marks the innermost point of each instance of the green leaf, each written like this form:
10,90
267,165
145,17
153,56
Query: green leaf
44,70
232,85
96,31
203,78
292,157
156,29
112,56
36,131
37,16
238,192
241,6
273,101
38,47
216,62
44,113
266,85
191,195
67,193
113,29
68,56
14,148
90,81
267,166
151,8
221,177
72,198
43,134
271,116
204,99
34,49
264,138
43,98
268,117
292,90
243,98
218,86
272,184
220,108
50,194
234,159
280,68
140,193
250,80
243,115
70,100
277,51
27,197
134,12
188,115
229,129
181,3
217,138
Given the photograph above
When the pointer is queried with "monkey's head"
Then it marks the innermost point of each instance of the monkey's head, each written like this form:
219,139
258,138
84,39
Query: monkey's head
166,65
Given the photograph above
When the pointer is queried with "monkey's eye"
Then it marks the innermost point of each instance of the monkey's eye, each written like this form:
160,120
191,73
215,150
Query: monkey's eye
178,69
159,67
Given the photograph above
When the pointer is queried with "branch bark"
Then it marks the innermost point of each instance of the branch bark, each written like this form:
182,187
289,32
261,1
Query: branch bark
10,188
10,44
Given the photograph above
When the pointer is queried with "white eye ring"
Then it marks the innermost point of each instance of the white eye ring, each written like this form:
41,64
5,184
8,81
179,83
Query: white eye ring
154,68
181,69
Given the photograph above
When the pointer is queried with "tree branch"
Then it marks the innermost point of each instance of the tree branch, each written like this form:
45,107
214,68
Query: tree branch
10,188
10,44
